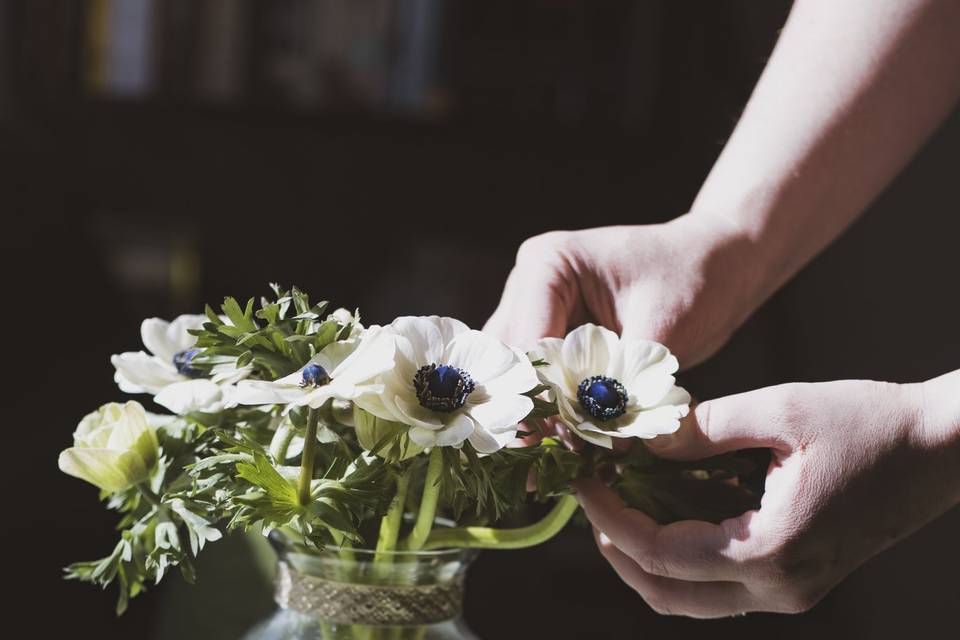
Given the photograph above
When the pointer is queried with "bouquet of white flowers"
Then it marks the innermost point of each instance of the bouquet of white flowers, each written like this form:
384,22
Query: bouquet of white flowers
349,438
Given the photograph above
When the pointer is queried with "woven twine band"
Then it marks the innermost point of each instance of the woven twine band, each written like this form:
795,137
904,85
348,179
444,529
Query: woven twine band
381,605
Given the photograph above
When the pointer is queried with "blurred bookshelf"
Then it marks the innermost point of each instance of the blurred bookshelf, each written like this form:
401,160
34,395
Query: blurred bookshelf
378,55
562,62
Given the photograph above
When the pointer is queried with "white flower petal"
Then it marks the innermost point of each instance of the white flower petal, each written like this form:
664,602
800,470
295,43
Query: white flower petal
129,427
229,374
94,429
554,374
255,392
424,336
105,468
586,352
500,413
519,378
480,355
377,405
646,369
416,416
191,395
650,423
569,413
138,372
165,339
590,433
356,364
485,442
451,435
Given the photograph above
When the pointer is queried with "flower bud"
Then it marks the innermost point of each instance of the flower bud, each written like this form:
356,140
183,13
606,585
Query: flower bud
372,430
114,447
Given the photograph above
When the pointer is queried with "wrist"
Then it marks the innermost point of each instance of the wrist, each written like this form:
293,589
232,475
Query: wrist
940,399
939,424
727,253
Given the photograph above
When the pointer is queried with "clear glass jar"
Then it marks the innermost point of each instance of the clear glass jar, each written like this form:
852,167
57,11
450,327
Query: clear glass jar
356,594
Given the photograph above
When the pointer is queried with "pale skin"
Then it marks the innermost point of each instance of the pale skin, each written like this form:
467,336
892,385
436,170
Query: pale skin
850,93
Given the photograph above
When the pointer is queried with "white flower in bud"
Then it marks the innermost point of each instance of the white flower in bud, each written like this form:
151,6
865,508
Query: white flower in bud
114,448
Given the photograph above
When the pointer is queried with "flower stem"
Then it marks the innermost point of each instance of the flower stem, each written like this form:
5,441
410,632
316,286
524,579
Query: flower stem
489,538
309,451
428,503
390,524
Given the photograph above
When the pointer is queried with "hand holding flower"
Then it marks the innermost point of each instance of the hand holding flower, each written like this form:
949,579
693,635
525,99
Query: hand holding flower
856,466
647,282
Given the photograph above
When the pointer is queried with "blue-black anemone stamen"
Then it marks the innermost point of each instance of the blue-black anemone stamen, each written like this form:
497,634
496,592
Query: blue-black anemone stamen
182,361
314,375
602,397
441,387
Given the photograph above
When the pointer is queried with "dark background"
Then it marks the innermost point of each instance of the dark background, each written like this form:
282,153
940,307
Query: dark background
156,155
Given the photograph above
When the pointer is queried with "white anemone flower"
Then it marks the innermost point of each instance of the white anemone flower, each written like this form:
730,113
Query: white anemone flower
342,370
451,384
166,371
606,387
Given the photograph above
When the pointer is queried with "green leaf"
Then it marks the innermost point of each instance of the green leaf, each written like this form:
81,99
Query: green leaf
262,474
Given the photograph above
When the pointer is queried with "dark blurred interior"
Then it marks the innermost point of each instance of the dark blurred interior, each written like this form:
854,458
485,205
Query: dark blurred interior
393,154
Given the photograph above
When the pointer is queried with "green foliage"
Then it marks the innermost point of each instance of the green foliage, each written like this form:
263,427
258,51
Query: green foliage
668,490
491,486
274,342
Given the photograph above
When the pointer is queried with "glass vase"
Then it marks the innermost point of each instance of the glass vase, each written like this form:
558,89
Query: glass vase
357,594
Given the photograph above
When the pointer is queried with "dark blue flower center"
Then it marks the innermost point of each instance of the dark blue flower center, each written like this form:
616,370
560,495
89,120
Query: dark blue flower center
602,397
314,376
442,388
182,361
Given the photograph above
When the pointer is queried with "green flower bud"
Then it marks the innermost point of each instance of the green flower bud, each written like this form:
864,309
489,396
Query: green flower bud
114,447
372,431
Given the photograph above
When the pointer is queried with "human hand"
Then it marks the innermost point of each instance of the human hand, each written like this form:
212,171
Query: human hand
856,466
646,281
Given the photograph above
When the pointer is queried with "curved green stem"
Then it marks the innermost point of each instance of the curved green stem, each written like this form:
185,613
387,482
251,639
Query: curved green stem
309,451
390,524
428,503
489,538
281,442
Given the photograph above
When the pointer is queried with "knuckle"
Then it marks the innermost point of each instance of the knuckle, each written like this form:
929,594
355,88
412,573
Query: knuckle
545,244
653,564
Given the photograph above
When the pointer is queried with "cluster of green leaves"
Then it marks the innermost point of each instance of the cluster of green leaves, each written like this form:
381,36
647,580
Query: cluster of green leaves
259,493
157,532
270,339
489,487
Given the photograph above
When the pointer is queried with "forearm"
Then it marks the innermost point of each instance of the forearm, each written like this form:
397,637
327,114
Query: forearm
851,91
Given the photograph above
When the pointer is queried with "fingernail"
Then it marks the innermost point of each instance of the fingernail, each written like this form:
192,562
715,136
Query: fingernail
660,442
603,539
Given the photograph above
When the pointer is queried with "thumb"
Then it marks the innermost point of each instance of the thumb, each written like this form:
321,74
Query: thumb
741,421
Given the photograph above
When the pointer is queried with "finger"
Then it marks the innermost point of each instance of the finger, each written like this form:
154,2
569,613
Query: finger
741,421
535,303
677,597
687,550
